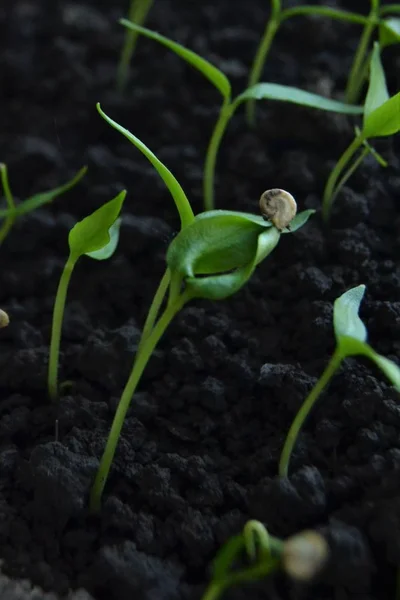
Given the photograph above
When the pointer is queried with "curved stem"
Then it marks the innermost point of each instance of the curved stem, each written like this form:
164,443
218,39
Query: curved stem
354,82
329,191
155,305
225,114
58,314
10,218
324,11
304,411
140,362
261,56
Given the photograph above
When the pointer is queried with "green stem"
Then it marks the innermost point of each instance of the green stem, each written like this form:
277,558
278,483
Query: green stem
155,305
261,56
140,362
323,11
225,114
138,12
390,10
304,411
10,218
58,314
336,172
354,81
349,173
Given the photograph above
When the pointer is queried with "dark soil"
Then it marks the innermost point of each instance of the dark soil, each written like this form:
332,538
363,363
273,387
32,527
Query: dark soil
199,450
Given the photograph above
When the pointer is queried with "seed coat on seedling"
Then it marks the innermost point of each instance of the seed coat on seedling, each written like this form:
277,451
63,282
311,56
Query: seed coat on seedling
279,207
4,319
304,555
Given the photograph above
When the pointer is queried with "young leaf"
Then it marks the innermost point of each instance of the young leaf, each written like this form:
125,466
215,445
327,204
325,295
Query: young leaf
285,93
108,250
299,220
384,120
43,197
214,75
377,90
179,196
346,321
389,32
93,232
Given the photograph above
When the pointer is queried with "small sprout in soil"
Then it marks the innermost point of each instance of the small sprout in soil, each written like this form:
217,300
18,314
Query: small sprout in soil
13,211
304,555
254,554
4,319
213,256
389,33
95,236
261,91
138,12
279,207
351,335
381,118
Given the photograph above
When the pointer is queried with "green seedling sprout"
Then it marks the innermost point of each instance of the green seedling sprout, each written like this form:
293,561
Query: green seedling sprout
4,319
389,33
95,236
138,12
13,211
261,91
381,118
301,557
213,256
351,335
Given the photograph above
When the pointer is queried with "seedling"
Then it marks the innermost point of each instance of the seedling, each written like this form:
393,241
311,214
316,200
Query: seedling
213,256
95,236
261,91
4,319
351,335
14,211
389,33
381,119
138,12
301,557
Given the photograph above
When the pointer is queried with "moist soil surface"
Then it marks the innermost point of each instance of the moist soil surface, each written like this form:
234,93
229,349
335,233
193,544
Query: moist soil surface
199,449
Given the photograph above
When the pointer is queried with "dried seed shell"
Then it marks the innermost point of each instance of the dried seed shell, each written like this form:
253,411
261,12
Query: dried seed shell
279,207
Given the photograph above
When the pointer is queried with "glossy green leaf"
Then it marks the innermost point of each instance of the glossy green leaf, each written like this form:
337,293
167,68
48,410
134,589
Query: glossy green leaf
299,220
285,93
43,197
214,75
346,321
389,32
385,120
108,250
93,232
174,187
377,89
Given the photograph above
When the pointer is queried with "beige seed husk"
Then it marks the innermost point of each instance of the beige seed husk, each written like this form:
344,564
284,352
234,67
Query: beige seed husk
4,319
304,555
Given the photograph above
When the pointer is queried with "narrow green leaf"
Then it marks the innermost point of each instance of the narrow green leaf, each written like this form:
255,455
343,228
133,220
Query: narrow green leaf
176,191
93,232
214,75
299,220
43,197
108,250
285,93
384,120
377,89
346,321
389,32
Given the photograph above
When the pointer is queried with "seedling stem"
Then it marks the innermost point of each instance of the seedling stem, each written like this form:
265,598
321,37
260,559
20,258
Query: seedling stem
9,220
225,115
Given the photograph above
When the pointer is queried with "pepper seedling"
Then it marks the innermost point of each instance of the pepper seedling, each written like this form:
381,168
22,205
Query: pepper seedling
138,11
13,211
351,335
261,91
301,556
95,236
381,118
213,256
389,33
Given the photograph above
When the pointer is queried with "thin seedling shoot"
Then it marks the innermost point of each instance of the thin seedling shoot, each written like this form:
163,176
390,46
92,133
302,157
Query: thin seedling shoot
261,91
301,557
381,118
13,210
95,236
213,256
351,335
138,11
389,33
